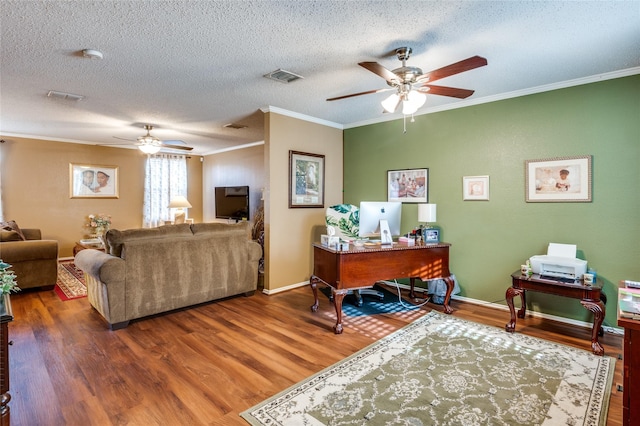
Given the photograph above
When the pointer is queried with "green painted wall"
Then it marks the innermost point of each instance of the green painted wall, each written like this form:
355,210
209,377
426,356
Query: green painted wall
490,239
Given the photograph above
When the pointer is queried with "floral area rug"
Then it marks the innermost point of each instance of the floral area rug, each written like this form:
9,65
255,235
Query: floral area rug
70,284
441,370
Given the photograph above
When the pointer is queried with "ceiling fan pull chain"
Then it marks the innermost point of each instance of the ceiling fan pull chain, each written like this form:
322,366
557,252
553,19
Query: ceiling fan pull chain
404,120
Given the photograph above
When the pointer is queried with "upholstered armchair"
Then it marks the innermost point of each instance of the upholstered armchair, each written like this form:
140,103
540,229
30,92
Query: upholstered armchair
33,260
345,221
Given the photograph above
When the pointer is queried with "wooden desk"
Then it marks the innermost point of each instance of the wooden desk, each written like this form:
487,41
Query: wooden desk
362,267
590,298
631,374
6,316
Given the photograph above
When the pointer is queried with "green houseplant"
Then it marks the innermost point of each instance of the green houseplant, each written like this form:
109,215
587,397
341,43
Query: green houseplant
8,282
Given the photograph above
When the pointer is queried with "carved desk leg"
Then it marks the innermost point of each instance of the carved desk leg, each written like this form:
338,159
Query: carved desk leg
598,316
313,282
448,309
338,297
511,293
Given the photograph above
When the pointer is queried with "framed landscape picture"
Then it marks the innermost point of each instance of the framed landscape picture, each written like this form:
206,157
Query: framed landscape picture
93,181
563,179
306,179
408,185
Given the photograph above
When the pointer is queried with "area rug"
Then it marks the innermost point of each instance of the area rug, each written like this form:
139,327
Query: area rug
441,370
70,284
372,305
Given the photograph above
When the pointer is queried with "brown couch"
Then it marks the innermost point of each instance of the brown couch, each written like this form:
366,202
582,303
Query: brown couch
150,271
34,260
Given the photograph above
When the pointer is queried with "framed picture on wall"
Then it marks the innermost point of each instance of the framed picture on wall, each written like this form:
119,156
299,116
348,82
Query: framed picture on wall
475,188
93,181
408,185
306,179
563,179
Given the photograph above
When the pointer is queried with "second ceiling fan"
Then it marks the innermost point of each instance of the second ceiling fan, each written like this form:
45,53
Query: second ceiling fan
411,84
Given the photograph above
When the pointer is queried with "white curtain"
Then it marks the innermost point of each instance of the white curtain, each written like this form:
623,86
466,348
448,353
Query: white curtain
165,178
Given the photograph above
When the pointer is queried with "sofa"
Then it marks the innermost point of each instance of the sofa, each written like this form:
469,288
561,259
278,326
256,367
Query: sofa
150,271
34,260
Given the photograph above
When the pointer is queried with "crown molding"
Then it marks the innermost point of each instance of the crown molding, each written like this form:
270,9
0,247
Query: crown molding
299,116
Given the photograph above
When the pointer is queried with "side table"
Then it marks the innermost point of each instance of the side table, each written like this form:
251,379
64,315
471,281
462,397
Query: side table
590,296
80,246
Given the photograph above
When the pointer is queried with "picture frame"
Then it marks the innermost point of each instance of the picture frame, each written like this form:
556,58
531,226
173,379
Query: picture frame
475,188
306,180
408,185
559,180
93,181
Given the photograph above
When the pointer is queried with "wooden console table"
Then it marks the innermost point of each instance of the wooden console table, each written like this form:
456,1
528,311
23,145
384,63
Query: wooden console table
6,316
591,297
80,246
362,267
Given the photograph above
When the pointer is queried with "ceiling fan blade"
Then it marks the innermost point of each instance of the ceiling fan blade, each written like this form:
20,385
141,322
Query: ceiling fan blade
173,142
184,148
125,139
376,68
361,93
462,66
446,91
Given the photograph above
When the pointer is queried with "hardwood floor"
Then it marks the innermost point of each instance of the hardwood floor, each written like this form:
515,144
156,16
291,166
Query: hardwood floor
204,365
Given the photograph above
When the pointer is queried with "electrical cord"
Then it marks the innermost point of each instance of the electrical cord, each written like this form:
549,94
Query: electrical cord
395,282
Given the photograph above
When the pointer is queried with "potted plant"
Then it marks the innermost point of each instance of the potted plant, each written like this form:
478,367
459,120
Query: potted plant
8,282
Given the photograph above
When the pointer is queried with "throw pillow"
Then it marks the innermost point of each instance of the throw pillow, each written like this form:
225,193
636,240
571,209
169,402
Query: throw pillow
12,226
6,236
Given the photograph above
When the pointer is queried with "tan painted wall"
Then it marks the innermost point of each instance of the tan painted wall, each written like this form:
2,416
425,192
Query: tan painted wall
35,187
290,232
233,168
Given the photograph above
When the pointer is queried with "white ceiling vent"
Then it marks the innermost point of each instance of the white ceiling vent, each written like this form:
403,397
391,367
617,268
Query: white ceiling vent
63,95
283,76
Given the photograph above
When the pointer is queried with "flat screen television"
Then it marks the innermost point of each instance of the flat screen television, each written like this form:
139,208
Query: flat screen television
371,212
232,202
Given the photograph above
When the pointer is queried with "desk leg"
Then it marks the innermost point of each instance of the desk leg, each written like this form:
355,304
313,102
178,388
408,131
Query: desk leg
511,293
448,309
338,296
313,282
598,316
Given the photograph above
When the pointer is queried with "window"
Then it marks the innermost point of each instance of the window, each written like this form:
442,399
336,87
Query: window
165,178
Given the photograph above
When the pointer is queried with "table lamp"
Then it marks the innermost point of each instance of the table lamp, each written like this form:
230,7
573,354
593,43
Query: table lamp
180,203
426,214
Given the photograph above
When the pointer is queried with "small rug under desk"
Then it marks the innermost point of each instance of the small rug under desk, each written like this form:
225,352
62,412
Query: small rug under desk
442,370
70,284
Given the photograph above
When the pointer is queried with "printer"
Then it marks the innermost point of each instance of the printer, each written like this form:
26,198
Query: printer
560,261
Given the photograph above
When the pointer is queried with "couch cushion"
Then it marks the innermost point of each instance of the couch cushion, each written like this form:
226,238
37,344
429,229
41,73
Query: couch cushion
6,236
13,226
116,238
204,229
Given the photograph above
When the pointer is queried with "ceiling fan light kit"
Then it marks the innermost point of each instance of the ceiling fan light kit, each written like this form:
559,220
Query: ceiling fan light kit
411,83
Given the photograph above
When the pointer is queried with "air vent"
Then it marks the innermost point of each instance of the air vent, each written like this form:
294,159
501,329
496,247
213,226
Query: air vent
283,76
235,126
64,95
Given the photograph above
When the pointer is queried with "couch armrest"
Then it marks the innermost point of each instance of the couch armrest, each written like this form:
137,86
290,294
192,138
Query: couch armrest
103,267
255,251
32,234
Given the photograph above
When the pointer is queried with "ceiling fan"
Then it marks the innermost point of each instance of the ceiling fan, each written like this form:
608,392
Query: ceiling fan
150,144
411,84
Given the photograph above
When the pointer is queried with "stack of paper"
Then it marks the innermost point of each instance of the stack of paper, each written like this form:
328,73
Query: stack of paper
629,302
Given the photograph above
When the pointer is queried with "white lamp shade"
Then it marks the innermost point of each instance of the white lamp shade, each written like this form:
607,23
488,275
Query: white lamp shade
391,103
414,101
149,149
179,202
426,213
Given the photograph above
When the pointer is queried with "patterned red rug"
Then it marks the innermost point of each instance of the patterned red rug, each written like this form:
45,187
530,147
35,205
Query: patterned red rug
70,284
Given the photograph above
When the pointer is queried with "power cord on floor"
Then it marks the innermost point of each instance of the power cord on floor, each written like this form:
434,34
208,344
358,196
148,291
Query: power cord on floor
395,282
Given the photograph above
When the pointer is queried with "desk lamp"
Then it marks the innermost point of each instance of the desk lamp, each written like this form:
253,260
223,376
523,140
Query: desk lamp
426,214
180,203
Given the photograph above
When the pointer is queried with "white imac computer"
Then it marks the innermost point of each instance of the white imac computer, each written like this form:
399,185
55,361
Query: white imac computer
380,219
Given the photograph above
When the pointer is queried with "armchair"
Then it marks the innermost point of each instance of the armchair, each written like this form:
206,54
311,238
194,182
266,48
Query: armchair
345,221
33,260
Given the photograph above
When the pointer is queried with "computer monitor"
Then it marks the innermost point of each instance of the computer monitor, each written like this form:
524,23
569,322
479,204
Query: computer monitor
372,212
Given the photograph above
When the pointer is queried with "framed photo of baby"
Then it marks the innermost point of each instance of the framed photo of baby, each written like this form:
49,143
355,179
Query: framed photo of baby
563,179
93,181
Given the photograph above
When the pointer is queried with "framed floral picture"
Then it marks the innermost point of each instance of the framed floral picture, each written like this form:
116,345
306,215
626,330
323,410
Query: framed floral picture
306,179
563,179
93,181
475,188
408,185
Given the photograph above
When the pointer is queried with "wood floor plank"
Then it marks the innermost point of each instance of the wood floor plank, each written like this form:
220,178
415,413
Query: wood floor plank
206,364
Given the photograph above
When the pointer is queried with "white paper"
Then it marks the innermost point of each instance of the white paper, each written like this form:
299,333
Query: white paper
562,250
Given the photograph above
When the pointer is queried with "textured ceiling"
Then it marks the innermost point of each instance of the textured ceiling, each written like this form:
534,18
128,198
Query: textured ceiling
190,67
